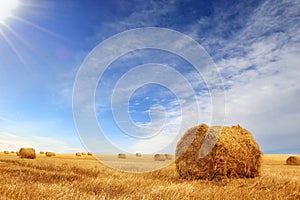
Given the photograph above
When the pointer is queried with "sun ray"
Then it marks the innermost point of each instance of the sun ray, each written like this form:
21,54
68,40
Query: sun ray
24,42
40,28
12,46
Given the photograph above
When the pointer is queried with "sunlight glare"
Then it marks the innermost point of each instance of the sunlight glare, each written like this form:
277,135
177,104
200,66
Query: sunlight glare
6,8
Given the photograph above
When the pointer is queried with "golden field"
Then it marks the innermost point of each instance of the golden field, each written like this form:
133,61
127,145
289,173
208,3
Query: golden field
71,177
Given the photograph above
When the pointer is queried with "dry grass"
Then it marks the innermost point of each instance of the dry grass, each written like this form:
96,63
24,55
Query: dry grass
68,177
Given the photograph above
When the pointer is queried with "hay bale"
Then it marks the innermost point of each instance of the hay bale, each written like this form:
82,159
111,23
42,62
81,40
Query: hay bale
28,153
159,157
89,153
49,154
234,155
83,153
6,152
78,154
122,155
168,156
293,160
138,155
41,152
17,152
12,152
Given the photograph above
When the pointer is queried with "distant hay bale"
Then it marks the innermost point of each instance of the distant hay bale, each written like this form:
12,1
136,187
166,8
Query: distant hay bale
50,154
122,155
138,155
12,152
28,153
89,153
17,152
83,153
6,152
159,157
234,155
168,156
293,160
41,152
78,154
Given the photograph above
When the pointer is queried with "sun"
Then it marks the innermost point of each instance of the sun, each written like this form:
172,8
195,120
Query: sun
6,8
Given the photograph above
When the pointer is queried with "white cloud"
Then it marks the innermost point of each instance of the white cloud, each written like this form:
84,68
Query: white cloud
42,135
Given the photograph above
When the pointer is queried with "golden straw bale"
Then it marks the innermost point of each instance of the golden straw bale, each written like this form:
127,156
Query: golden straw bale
78,154
28,153
6,152
293,160
138,155
49,154
83,153
41,152
89,153
12,152
168,156
229,152
122,155
17,152
159,157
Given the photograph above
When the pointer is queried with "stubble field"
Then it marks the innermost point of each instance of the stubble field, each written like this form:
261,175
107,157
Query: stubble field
71,177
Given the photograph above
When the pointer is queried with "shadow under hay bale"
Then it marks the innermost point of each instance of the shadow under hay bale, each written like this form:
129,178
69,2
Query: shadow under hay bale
234,155
159,157
168,156
50,154
138,155
28,153
6,152
293,160
89,153
122,156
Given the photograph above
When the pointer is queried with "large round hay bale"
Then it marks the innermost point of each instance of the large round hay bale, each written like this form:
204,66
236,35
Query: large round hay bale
168,156
83,153
28,153
49,154
231,152
6,152
138,155
78,154
122,155
89,153
159,157
293,160
41,152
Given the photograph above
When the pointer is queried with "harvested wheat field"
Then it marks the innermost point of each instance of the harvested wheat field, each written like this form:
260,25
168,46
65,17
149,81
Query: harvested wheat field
68,177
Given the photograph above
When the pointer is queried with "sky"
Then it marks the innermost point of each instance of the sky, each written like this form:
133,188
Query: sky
146,98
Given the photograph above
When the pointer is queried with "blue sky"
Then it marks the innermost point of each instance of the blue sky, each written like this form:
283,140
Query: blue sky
255,46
